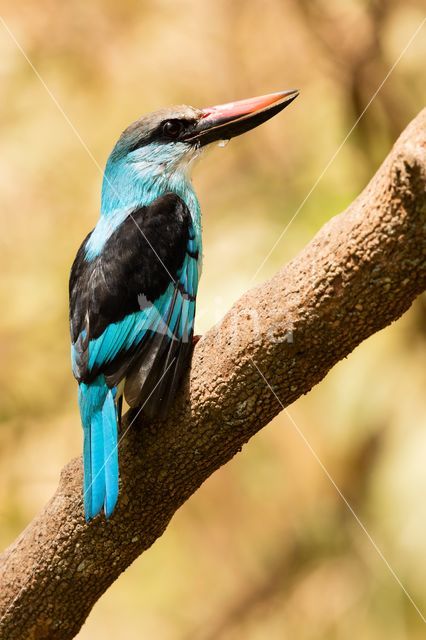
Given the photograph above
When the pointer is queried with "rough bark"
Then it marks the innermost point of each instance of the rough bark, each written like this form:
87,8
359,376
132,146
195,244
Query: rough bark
361,271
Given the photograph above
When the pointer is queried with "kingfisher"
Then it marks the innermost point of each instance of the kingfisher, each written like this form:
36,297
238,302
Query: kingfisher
134,281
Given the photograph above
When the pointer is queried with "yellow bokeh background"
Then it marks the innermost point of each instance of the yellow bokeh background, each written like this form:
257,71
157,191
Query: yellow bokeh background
267,548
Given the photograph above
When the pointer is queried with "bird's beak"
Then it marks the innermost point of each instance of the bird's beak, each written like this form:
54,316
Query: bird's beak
226,121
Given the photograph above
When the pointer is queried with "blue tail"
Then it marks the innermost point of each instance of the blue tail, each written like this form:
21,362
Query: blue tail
100,451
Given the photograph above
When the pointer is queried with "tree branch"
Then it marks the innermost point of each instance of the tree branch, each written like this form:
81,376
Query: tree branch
361,272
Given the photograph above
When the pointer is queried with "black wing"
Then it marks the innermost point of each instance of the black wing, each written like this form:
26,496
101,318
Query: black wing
132,307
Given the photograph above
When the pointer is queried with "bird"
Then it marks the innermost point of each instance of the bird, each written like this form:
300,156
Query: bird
134,281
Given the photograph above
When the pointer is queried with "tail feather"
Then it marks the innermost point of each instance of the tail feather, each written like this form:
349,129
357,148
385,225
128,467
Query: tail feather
97,462
109,419
87,467
100,453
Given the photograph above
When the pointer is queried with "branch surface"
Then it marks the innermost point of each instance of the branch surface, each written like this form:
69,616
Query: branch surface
360,272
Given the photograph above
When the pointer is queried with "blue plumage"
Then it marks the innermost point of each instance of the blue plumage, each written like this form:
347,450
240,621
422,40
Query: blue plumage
134,281
132,290
100,452
110,441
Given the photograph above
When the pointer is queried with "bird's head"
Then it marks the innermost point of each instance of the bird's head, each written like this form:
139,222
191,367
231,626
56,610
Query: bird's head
163,144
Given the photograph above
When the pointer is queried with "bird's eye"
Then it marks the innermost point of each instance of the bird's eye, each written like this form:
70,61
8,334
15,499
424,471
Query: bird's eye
172,128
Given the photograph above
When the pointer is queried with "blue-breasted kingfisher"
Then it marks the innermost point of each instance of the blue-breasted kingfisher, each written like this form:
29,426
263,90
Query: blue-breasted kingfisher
134,281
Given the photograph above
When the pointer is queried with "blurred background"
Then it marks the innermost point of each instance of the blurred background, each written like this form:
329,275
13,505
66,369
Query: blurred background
266,548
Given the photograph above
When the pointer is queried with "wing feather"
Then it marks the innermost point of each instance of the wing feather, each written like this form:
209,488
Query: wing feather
150,344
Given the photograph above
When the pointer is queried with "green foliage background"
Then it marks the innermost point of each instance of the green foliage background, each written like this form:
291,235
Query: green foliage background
267,548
